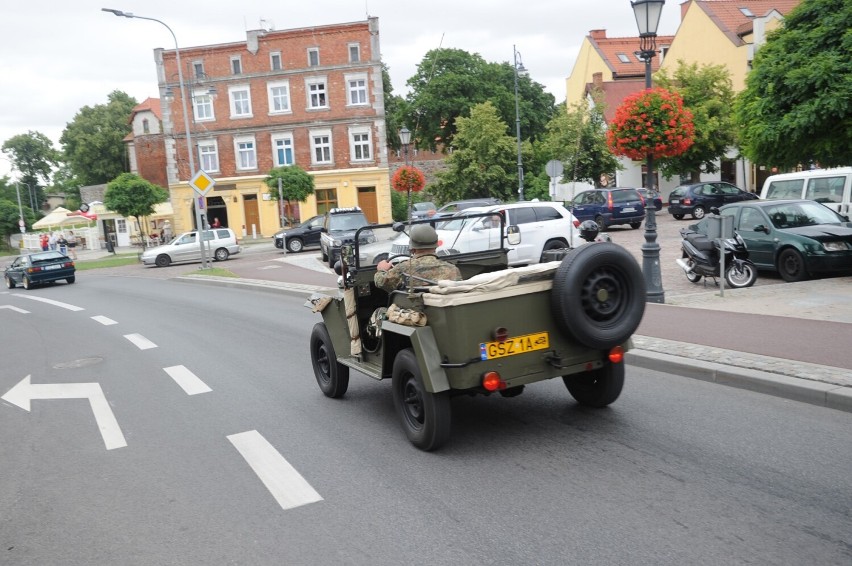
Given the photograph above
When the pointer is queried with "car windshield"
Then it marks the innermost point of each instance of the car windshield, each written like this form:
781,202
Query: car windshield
795,215
346,221
679,192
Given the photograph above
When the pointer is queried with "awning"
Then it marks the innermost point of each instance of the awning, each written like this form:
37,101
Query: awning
59,217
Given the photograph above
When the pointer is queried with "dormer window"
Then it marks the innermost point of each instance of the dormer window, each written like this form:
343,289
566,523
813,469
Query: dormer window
623,57
746,12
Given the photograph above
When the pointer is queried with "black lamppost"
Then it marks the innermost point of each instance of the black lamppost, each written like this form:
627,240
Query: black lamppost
405,140
647,14
522,71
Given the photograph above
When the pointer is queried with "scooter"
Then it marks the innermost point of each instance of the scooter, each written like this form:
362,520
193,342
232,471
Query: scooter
701,259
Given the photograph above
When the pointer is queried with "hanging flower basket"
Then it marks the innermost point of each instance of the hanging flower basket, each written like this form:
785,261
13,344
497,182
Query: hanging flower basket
408,178
651,122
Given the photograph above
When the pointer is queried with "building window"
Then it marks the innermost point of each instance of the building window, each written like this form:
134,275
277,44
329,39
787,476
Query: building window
208,154
279,97
623,58
321,146
240,101
316,93
356,87
354,53
326,200
202,106
282,149
146,127
246,152
360,144
275,61
236,66
198,69
313,57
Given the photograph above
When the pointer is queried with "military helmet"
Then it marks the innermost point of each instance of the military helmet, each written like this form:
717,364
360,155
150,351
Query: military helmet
589,230
423,236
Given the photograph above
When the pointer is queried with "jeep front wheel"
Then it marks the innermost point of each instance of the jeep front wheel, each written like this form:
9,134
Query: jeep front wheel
598,295
596,388
425,416
332,376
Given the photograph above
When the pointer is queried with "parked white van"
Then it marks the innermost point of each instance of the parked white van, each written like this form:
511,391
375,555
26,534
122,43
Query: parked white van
832,187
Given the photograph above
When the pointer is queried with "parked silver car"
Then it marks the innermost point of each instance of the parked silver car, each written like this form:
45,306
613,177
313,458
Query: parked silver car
221,243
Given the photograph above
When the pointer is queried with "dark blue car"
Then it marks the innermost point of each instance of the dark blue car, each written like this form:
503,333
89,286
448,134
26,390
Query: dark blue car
609,207
39,268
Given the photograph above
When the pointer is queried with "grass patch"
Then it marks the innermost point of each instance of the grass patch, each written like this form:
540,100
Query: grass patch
111,261
214,272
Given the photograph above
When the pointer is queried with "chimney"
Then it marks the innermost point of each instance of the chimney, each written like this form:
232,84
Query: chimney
597,80
598,34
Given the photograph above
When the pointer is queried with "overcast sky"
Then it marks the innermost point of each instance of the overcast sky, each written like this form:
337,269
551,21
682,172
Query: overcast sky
57,56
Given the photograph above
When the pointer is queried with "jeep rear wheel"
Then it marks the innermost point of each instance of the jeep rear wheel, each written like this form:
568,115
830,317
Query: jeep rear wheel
332,376
425,416
598,295
596,388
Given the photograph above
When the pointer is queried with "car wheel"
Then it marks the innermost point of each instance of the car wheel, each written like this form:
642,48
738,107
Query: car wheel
295,245
323,254
26,283
635,225
596,388
221,254
598,295
741,277
331,259
791,266
599,220
425,416
332,376
71,279
9,283
678,216
163,260
552,245
698,212
279,244
691,275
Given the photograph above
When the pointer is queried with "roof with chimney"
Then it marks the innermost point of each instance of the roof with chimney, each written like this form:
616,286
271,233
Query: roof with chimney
619,53
735,18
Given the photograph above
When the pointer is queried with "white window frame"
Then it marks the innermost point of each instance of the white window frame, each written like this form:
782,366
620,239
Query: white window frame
357,49
276,55
357,91
233,90
269,90
236,65
322,150
357,141
312,93
208,160
202,103
283,140
313,51
245,153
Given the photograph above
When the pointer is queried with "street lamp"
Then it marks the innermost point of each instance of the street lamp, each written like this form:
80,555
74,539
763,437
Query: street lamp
522,71
199,225
405,140
21,222
647,14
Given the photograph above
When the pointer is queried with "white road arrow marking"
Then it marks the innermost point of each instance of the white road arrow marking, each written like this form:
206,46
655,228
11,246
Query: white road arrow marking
104,320
59,304
287,486
24,392
188,381
16,309
140,341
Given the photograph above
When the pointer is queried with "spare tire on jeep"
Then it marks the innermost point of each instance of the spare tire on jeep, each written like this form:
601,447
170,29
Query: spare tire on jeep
598,295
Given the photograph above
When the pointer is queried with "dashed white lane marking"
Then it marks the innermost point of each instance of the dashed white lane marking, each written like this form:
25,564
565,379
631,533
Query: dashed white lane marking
282,480
188,381
50,302
16,309
140,341
104,320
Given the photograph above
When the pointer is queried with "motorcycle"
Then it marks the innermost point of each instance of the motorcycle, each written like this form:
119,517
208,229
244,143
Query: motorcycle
701,259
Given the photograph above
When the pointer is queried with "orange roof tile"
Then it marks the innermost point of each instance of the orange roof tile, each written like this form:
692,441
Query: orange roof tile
614,93
619,53
729,17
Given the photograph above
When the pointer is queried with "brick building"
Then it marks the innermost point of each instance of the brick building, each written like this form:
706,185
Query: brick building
311,97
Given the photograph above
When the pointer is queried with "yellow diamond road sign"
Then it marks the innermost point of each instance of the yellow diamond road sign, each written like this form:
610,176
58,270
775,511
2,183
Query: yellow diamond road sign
202,182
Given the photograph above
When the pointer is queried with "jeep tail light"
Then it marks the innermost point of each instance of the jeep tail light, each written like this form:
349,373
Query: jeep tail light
492,381
616,355
500,334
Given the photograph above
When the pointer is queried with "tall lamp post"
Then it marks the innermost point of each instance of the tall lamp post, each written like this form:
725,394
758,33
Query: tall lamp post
647,14
192,171
405,140
522,71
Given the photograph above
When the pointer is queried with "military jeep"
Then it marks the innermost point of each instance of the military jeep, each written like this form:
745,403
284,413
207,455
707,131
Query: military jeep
496,331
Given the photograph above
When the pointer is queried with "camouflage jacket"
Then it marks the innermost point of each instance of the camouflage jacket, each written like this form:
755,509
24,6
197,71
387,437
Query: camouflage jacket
424,266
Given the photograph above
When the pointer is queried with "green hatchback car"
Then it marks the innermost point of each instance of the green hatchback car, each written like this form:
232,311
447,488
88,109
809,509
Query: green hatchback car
38,269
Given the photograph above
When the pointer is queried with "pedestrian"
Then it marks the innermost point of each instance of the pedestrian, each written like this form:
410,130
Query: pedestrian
51,241
62,243
423,267
216,223
167,231
44,241
72,244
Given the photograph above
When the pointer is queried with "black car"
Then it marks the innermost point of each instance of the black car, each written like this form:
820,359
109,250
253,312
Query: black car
697,199
608,207
39,268
339,227
304,235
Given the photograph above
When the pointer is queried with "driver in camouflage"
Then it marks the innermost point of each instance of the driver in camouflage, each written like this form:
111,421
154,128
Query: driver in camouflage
424,264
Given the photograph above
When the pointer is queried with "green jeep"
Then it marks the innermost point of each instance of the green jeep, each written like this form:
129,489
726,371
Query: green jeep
496,331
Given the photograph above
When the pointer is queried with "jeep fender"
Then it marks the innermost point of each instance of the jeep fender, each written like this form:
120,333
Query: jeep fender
425,350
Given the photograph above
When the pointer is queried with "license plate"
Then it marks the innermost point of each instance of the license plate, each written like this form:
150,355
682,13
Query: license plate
52,267
674,201
514,346
628,209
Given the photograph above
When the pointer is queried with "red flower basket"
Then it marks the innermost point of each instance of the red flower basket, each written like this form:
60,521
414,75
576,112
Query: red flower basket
408,178
651,122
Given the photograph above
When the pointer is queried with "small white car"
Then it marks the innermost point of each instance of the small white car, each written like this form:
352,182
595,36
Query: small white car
219,243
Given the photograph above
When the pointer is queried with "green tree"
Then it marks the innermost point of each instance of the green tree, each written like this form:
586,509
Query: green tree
131,195
709,94
796,108
296,185
483,162
92,141
34,156
9,211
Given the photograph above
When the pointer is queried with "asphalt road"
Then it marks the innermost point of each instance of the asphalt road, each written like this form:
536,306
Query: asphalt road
677,471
